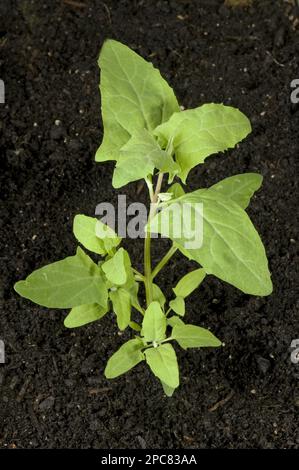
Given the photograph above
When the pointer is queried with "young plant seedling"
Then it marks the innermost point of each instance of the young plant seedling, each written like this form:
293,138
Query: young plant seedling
149,137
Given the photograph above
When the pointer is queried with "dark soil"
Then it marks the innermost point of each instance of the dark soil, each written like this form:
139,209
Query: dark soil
52,389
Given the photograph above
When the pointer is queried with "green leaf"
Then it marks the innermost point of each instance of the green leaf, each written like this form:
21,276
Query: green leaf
176,190
134,97
231,247
73,281
191,336
167,390
239,188
84,229
127,357
172,321
154,323
84,314
158,295
108,237
178,305
200,132
121,301
116,268
139,157
189,283
163,363
135,326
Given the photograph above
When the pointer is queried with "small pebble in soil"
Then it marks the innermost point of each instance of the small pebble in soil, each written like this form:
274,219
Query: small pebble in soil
47,404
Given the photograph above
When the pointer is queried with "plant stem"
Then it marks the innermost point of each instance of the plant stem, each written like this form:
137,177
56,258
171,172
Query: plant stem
148,281
163,261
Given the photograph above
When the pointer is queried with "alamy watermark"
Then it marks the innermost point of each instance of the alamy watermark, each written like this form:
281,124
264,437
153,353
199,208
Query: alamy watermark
295,93
295,351
2,92
2,352
179,221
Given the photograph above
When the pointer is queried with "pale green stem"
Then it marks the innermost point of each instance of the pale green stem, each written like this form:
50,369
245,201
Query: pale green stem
164,261
148,282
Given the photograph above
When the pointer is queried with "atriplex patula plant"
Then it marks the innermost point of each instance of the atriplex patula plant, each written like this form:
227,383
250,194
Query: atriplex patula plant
148,136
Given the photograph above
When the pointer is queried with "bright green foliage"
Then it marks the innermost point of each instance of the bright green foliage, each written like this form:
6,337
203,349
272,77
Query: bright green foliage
147,135
73,281
231,250
134,97
158,295
163,363
191,336
178,305
118,267
108,237
121,301
139,157
177,190
200,132
189,283
84,229
154,323
239,188
124,359
84,314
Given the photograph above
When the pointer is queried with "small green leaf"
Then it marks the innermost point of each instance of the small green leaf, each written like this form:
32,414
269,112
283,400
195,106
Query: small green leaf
109,238
178,305
191,336
84,229
84,314
116,268
163,363
189,282
138,159
239,188
154,323
135,326
200,132
134,97
121,301
158,295
127,357
172,321
176,190
165,197
167,390
73,281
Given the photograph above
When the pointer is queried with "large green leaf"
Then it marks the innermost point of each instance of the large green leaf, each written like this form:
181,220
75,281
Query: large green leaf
139,157
231,247
191,336
126,357
154,323
239,188
189,282
84,314
73,281
116,268
121,301
134,96
200,132
163,363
